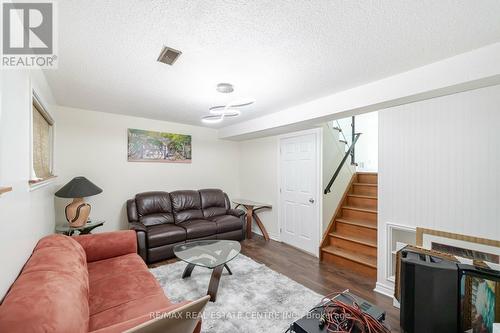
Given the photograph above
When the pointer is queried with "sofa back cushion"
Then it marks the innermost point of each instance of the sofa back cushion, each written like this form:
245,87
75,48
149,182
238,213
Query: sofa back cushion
154,208
186,205
213,202
51,293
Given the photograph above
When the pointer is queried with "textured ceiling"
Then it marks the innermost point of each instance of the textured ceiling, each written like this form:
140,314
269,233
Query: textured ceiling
280,52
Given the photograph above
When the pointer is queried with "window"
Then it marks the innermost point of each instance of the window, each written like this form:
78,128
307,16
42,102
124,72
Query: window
42,142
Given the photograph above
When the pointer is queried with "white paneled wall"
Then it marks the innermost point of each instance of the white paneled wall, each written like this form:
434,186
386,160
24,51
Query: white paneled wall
439,166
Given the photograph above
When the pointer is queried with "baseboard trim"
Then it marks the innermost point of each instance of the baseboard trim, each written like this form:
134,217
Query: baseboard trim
271,236
384,290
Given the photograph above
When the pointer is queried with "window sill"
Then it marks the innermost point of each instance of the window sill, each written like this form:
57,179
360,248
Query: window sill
39,183
5,189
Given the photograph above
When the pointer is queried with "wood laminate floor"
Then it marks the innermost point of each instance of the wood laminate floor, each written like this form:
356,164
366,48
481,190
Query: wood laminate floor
323,278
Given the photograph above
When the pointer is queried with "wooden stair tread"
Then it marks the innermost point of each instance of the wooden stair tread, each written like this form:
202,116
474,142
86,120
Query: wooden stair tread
351,237
367,173
367,210
359,240
358,223
362,196
356,257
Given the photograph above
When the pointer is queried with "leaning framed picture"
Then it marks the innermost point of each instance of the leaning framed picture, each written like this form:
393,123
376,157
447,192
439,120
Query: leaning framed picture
479,300
463,246
152,146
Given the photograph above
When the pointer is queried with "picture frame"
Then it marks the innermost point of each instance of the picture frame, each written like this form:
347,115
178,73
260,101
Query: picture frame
154,146
469,247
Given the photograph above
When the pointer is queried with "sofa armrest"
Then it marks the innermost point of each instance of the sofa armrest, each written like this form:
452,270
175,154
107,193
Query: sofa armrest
141,231
108,244
236,212
179,317
132,211
137,226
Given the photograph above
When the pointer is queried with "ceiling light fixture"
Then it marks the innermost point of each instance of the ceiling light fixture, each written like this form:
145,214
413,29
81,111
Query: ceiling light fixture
230,110
212,119
224,111
225,88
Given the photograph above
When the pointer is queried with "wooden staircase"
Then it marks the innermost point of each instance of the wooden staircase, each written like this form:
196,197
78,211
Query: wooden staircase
351,237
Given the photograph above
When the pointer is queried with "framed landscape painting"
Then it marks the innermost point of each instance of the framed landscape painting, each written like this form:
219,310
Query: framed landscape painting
151,146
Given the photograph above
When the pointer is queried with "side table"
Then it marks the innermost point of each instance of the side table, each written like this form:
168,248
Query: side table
67,230
251,208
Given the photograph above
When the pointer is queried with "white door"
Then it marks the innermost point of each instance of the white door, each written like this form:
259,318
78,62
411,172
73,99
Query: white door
299,191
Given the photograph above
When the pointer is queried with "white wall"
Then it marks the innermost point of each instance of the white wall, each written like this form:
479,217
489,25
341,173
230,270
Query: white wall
25,215
367,146
259,179
94,145
439,163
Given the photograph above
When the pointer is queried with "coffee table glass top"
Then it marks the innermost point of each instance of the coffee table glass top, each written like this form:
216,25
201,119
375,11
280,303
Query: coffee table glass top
208,253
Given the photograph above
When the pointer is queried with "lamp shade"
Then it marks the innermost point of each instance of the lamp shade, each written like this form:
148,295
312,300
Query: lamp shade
78,187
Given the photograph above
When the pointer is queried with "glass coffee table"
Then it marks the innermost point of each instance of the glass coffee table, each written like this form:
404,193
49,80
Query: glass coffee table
212,254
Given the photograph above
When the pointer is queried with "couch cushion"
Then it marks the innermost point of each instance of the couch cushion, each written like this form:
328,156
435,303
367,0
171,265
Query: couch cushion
199,228
154,208
122,289
127,264
186,205
213,202
125,311
52,287
119,288
227,223
138,311
163,234
106,245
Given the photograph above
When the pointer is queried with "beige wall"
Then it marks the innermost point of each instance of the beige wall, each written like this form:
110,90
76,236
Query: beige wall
25,215
94,145
259,163
259,178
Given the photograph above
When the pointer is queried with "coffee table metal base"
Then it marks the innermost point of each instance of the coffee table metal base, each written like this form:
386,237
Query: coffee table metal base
213,286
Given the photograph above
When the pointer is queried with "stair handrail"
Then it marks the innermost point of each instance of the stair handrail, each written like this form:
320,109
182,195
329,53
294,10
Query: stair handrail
339,127
347,154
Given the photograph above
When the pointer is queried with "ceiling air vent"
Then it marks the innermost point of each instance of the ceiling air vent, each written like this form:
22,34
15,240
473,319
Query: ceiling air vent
168,55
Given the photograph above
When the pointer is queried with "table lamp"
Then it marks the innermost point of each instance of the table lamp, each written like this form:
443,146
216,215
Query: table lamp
77,212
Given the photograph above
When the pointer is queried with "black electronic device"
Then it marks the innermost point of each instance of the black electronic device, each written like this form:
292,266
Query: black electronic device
310,323
429,297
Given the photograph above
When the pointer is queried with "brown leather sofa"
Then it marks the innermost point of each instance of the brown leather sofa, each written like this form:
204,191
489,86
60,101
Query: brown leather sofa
163,220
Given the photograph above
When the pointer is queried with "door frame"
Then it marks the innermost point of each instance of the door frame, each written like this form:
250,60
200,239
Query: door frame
319,190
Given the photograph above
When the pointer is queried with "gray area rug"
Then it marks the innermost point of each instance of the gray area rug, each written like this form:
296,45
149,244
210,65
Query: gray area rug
253,299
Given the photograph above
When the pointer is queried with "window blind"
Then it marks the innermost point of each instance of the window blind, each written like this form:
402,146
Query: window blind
42,144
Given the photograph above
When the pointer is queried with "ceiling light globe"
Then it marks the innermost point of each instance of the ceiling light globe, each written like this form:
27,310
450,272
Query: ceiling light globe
225,88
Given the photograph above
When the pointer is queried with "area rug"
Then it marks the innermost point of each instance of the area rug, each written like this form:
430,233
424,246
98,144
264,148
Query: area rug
254,299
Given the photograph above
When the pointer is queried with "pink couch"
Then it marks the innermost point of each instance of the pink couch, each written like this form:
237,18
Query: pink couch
91,283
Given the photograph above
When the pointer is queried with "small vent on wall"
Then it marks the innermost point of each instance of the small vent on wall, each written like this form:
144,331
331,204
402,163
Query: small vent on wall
168,55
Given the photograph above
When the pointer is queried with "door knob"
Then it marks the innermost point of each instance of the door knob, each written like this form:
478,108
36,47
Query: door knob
311,200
